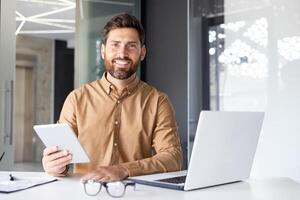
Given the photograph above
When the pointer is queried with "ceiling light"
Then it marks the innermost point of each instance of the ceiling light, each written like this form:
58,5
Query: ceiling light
21,24
51,24
52,12
41,18
56,3
46,31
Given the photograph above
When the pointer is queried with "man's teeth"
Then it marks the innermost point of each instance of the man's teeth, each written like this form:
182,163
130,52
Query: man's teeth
122,62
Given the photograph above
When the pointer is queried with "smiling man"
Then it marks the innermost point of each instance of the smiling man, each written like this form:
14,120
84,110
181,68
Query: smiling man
126,126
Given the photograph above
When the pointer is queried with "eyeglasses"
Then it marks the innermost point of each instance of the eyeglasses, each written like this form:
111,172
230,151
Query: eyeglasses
114,189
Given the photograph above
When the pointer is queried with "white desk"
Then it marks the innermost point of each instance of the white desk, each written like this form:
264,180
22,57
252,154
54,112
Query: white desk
71,188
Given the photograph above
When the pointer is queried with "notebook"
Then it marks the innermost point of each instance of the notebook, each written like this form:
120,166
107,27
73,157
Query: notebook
223,152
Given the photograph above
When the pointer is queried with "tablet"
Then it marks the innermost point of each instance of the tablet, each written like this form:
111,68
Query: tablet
63,136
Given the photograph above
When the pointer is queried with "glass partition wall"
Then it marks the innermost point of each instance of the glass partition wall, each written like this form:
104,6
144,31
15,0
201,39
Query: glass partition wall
251,62
262,60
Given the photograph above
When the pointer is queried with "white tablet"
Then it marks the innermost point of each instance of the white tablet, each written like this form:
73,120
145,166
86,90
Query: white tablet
63,136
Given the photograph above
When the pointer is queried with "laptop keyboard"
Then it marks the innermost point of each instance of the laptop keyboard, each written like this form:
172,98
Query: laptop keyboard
176,180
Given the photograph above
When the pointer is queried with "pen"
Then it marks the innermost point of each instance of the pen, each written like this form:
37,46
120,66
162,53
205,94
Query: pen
2,156
11,178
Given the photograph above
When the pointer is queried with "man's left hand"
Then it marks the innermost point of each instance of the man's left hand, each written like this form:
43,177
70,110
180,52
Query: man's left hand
107,173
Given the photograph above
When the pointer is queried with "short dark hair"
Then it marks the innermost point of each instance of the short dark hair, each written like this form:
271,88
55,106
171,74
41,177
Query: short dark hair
124,20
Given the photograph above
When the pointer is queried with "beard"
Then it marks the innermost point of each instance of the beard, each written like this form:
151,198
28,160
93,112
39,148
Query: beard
121,73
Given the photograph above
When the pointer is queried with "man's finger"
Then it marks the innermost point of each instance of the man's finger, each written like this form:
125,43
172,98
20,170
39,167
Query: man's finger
50,150
88,176
60,169
105,178
93,175
57,155
60,161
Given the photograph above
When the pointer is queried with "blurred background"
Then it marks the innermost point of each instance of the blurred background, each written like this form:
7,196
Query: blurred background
205,54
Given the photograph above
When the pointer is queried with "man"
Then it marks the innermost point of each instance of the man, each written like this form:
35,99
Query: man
119,119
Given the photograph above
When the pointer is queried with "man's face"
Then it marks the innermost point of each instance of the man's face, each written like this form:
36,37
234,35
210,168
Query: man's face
122,52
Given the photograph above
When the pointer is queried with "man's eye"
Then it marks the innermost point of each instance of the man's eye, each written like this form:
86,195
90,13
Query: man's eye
132,46
114,44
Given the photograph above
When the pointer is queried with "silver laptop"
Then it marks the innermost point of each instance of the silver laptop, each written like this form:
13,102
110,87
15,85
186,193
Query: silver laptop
223,152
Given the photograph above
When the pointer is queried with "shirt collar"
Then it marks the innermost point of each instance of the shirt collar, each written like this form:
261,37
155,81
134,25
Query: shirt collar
109,87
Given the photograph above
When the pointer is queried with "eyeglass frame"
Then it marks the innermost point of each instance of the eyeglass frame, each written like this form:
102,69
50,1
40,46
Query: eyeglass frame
125,183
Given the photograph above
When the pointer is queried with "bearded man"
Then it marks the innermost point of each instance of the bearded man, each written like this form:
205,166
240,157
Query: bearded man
126,126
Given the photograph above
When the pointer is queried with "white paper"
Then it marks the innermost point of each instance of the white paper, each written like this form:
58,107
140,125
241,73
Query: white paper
7,186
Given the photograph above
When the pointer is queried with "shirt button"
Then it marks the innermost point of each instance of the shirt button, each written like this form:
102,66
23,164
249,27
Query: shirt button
115,144
116,122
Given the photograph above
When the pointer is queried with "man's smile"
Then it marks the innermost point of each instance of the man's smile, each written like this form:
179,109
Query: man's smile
121,62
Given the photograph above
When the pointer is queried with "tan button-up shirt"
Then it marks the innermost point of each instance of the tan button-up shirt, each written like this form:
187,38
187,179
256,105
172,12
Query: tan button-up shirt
124,129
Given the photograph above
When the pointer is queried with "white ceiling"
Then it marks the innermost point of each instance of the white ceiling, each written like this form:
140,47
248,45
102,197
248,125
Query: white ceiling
53,19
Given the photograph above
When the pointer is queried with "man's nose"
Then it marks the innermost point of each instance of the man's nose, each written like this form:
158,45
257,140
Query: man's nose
122,51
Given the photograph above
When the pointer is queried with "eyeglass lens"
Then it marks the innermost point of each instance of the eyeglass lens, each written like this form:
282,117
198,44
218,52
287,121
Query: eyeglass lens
92,188
114,189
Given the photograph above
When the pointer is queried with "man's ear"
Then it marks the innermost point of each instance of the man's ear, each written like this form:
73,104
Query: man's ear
102,51
143,52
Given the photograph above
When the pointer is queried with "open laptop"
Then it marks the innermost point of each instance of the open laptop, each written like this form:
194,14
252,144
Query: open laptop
223,152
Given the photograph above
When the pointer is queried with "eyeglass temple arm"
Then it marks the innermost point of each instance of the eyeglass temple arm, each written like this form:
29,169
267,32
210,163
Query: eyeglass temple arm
131,183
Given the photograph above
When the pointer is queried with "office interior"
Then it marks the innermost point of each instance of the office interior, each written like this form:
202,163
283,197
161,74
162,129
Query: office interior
228,55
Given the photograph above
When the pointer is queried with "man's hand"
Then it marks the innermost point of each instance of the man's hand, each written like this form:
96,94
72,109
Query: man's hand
55,161
109,173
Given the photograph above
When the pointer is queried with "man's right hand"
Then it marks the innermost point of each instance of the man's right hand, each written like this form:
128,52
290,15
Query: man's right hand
55,161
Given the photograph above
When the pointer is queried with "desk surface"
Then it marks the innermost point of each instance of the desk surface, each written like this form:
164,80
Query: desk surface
71,188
